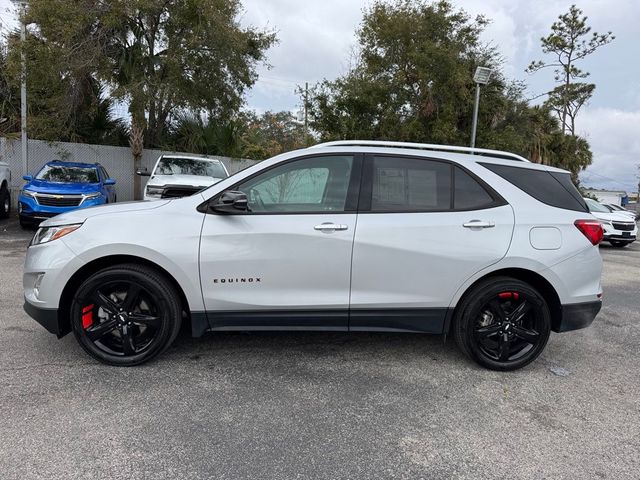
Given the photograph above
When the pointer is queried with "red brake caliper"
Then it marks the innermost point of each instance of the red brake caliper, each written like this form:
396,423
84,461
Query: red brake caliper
505,295
87,316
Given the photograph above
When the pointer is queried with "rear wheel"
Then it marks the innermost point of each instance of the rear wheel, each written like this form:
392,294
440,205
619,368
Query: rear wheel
502,324
5,203
125,315
618,243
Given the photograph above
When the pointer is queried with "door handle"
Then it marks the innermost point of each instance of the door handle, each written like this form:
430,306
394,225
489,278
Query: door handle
478,224
330,227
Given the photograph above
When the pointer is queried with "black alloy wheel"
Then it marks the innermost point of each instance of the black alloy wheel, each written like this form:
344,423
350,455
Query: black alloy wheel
125,315
503,324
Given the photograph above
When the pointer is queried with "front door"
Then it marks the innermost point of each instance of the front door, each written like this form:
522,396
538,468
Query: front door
286,262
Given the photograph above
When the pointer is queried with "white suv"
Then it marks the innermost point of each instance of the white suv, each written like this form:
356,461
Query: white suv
620,228
175,176
344,236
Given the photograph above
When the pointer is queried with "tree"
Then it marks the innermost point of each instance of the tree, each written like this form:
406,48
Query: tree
194,134
61,107
569,42
412,80
158,57
412,77
271,133
9,99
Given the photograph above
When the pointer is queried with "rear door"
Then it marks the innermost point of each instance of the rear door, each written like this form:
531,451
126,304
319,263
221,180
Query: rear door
424,227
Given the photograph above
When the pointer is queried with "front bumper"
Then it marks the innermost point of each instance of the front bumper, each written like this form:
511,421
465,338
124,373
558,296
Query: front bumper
620,237
577,315
611,233
47,317
31,210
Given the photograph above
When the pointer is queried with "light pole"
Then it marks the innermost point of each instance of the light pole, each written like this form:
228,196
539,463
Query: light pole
23,86
481,77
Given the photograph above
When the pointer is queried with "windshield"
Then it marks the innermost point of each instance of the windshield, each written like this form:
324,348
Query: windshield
595,206
65,174
190,166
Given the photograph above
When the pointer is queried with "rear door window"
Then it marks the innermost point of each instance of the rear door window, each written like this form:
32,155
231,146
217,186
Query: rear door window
408,184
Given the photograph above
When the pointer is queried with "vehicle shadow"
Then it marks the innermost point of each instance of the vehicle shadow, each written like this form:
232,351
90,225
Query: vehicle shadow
315,346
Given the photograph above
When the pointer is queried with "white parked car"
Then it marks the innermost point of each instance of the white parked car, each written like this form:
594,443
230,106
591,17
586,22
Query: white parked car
620,229
345,236
617,208
175,176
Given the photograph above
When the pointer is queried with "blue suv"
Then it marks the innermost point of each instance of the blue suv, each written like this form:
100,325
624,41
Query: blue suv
62,186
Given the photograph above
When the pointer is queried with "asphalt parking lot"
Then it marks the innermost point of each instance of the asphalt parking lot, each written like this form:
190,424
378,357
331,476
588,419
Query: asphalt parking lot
318,405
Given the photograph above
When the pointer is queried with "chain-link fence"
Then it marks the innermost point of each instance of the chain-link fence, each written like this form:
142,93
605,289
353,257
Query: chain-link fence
118,161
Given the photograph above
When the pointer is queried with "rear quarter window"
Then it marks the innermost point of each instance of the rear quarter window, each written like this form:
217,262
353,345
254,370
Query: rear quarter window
552,188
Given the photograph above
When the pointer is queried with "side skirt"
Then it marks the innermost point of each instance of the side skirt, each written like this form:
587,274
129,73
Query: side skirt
420,320
417,320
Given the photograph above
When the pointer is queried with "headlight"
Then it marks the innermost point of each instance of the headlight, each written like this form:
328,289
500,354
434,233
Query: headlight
49,234
91,196
28,193
154,191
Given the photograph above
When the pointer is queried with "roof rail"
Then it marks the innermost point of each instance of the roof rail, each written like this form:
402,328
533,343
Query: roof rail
423,146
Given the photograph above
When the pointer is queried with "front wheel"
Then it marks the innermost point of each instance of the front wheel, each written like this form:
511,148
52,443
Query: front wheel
125,315
502,324
618,243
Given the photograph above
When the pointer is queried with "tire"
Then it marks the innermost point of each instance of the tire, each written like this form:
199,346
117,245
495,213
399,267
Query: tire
618,243
126,315
489,328
5,203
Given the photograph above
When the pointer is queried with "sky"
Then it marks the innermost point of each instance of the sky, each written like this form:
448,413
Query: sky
317,38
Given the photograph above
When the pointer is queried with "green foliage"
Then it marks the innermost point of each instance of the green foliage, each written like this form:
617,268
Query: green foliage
195,135
161,57
9,99
568,43
62,107
412,80
272,133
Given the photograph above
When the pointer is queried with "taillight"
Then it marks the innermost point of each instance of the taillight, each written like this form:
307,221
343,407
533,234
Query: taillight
592,229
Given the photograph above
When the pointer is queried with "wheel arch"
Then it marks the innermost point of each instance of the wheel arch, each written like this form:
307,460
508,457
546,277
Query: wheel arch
98,264
534,279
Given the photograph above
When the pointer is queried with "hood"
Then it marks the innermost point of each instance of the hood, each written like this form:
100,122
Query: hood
42,186
187,180
80,215
613,217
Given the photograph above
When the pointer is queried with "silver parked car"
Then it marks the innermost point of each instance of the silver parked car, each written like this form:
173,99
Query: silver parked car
345,236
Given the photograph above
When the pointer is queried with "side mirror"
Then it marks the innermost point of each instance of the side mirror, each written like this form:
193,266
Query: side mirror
109,181
143,173
28,178
231,202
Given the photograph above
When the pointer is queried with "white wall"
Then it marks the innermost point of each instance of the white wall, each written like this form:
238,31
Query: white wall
608,197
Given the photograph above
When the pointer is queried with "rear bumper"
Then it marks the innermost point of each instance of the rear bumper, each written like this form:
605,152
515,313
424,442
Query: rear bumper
577,315
47,317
